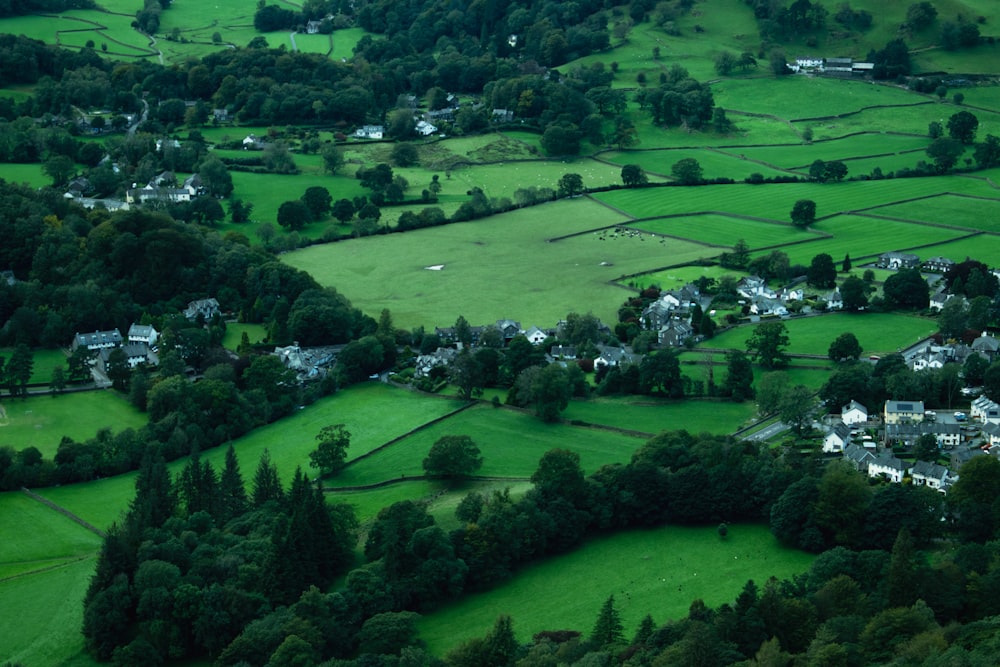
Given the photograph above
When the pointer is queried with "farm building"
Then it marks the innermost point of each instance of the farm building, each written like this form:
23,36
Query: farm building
98,340
898,260
837,439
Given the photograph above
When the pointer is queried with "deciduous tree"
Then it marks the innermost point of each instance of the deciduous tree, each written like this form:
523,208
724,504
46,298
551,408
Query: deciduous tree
330,455
767,345
453,457
803,213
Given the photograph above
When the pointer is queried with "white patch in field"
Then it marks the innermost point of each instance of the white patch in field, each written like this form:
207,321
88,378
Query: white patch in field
435,267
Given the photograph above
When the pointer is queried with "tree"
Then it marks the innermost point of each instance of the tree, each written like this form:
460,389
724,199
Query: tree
906,289
333,159
835,170
778,63
945,152
570,185
962,127
822,271
817,170
293,215
687,171
466,373
739,378
608,629
920,15
239,211
845,347
266,484
987,154
767,345
926,448
854,293
561,140
633,175
726,62
770,390
935,129
278,159
318,200
330,455
795,408
117,369
19,370
59,168
215,176
404,154
58,382
453,457
548,389
803,213
846,264
343,210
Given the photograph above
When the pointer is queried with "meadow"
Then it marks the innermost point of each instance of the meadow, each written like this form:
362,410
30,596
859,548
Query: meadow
649,415
44,361
722,230
878,333
42,421
657,571
714,163
800,156
971,212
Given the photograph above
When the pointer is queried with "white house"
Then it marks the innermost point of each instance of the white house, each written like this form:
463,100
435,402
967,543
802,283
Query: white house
143,333
854,413
425,129
837,439
886,463
991,432
206,308
535,335
99,340
985,411
932,475
370,132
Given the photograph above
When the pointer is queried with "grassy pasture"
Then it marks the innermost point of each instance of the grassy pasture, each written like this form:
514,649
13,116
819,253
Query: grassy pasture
723,230
44,361
501,180
367,503
888,164
908,120
775,202
974,213
43,535
798,97
657,571
374,414
804,373
234,334
878,333
344,42
321,44
511,441
42,614
802,155
866,236
30,174
715,164
653,416
679,276
389,271
42,421
985,248
979,59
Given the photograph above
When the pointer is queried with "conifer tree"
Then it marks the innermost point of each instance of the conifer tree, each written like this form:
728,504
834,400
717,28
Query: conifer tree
232,491
608,628
266,485
155,500
198,487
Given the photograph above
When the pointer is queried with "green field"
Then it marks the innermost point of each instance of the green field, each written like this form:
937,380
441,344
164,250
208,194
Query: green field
495,431
30,174
714,163
878,333
257,333
44,361
652,416
971,212
801,156
42,421
796,97
390,271
657,571
985,248
61,540
725,231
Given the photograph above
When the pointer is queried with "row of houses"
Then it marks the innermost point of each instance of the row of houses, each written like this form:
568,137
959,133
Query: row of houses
837,65
162,188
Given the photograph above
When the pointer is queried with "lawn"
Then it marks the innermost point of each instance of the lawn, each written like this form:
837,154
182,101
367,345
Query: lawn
798,97
878,333
501,180
862,236
44,537
714,163
652,416
374,413
42,421
30,174
42,613
512,442
722,230
234,334
658,571
44,361
391,271
971,212
802,155
985,248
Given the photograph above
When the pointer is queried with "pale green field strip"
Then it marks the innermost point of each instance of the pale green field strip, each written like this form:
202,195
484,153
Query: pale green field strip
42,614
985,248
888,164
679,276
979,59
528,279
658,571
321,44
974,213
869,236
344,42
42,421
802,155
814,375
42,534
269,191
797,97
234,334
985,96
714,164
775,201
650,415
501,180
724,230
368,502
878,333
374,413
512,442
